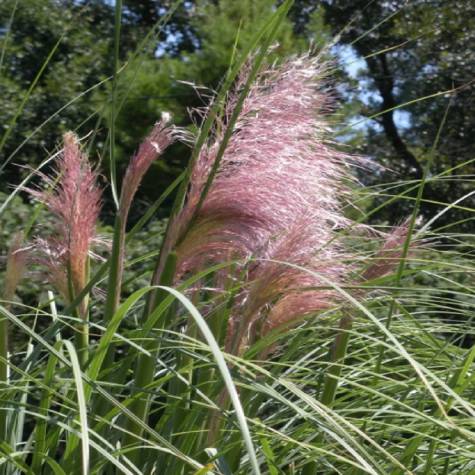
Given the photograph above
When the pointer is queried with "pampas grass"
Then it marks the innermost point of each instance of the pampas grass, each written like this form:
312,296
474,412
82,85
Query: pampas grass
263,343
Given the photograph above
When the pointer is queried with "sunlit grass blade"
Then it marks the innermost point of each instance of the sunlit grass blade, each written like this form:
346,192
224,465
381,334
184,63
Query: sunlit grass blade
226,375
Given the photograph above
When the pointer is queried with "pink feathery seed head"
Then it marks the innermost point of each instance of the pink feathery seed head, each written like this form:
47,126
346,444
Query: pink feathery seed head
295,306
278,165
54,258
289,280
157,141
74,198
275,202
388,257
304,257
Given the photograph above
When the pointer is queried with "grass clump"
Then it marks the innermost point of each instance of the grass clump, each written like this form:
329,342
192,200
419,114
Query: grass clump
277,335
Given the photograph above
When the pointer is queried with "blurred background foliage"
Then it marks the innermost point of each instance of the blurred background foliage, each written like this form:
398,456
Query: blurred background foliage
55,53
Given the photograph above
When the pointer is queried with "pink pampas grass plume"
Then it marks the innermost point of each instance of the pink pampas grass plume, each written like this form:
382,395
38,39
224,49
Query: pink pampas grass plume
275,205
277,196
278,165
285,282
73,196
390,254
151,148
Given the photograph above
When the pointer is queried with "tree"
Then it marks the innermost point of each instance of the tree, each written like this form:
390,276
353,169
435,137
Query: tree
413,50
58,50
194,44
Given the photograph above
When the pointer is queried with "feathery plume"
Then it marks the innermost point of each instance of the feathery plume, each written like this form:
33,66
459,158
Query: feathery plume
73,196
291,278
276,205
276,199
388,257
279,138
285,281
16,263
151,148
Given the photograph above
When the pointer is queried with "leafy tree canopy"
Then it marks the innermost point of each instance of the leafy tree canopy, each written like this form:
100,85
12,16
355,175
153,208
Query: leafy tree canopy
407,51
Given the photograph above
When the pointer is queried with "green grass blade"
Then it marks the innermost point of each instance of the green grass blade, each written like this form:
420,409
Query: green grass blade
82,408
226,375
113,167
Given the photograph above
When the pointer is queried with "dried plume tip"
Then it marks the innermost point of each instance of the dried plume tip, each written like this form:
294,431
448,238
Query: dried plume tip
158,140
151,148
73,196
390,254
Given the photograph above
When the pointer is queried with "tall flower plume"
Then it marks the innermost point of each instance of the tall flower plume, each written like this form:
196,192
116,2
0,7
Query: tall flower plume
73,196
276,198
151,148
278,165
275,203
16,264
388,257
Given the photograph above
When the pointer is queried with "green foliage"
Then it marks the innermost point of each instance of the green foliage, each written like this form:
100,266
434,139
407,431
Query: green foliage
416,56
78,42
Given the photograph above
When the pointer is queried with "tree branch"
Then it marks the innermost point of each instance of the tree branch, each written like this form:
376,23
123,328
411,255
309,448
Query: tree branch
379,69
